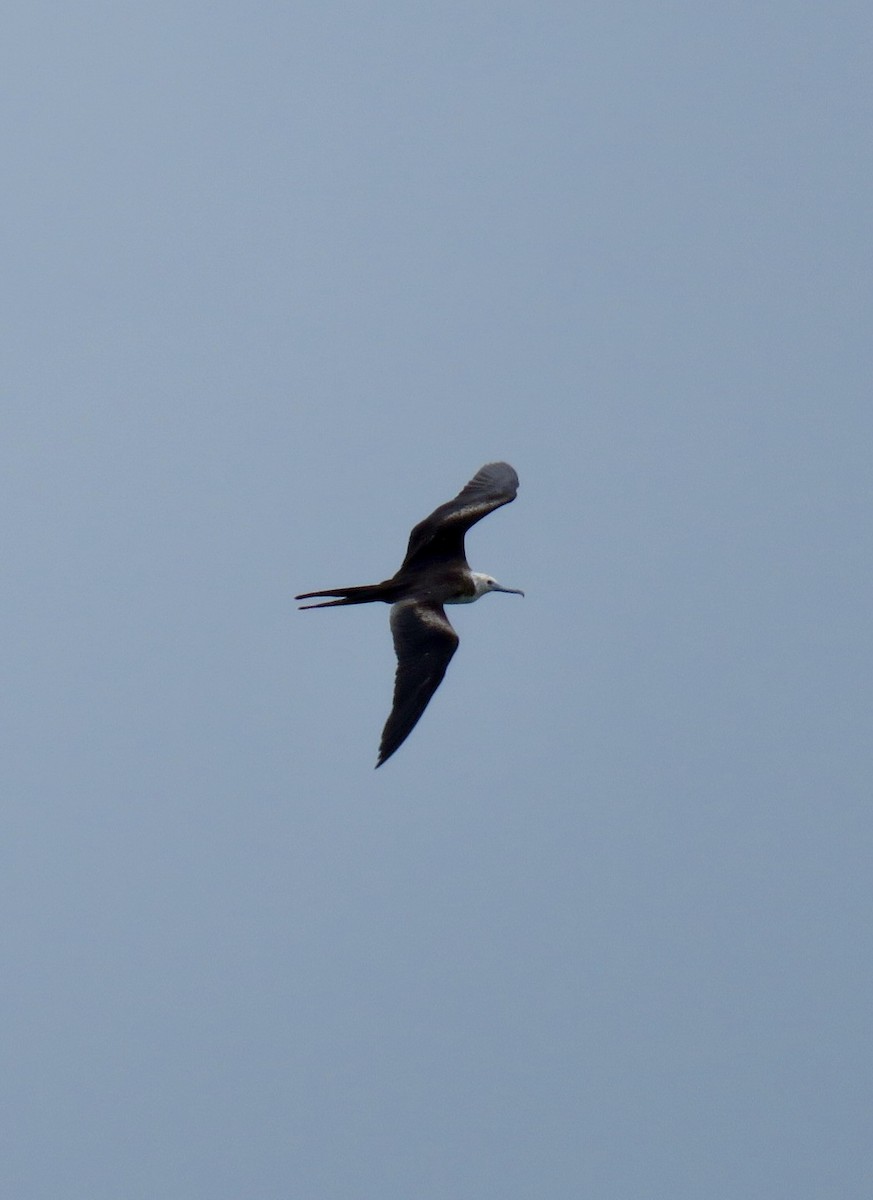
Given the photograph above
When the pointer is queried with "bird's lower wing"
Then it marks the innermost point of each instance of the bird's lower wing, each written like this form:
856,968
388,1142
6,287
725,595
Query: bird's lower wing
424,642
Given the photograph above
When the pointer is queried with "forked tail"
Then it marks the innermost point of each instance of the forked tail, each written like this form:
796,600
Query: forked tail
350,595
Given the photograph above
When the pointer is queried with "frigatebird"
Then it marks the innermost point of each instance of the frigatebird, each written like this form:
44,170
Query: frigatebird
434,573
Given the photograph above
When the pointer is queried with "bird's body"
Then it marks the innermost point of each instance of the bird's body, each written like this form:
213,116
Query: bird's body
433,573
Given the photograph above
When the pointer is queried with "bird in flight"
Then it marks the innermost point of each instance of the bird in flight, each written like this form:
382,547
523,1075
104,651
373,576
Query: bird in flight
434,573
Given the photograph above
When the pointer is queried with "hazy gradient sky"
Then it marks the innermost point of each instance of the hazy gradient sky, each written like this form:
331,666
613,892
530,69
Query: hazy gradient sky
278,278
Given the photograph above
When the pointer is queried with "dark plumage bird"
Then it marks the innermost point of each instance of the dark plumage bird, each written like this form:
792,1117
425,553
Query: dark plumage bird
434,573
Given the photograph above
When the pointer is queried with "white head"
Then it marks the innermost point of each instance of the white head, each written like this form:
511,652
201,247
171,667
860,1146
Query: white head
487,583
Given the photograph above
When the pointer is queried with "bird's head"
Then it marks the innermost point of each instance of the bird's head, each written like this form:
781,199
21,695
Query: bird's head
487,583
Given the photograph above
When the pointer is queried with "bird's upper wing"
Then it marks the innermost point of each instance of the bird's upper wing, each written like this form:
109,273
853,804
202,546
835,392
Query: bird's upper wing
424,642
441,535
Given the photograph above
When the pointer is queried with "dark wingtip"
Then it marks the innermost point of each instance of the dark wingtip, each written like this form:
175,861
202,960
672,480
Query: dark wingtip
384,755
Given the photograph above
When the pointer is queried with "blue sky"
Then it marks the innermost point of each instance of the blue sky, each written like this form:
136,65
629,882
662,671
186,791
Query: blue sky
278,280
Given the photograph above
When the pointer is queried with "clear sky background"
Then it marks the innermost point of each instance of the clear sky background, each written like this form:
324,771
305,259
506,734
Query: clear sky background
278,278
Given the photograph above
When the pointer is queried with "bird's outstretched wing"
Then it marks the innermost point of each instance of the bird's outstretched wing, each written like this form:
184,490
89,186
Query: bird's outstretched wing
441,535
424,642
